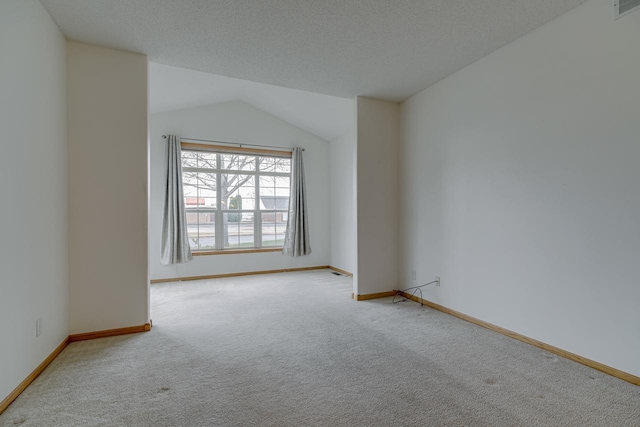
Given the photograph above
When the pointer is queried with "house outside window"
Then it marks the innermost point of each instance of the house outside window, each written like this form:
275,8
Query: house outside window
235,200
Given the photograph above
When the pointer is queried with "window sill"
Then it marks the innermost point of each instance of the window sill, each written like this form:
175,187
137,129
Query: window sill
236,251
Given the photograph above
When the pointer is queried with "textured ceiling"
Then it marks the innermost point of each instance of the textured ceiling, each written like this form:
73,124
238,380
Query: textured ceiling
172,88
385,49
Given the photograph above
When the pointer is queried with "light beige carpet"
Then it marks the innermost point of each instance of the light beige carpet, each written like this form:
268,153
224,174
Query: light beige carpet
293,349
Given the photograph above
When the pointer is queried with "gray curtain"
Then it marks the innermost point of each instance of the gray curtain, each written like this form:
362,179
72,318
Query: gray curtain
296,239
175,243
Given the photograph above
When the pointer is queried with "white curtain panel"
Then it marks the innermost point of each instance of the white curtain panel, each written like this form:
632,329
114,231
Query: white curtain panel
175,243
296,239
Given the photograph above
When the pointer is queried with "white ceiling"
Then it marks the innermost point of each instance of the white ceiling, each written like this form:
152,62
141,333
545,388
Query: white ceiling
388,49
172,88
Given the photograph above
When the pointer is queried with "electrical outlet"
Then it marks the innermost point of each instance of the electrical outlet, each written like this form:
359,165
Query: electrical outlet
38,327
437,280
413,275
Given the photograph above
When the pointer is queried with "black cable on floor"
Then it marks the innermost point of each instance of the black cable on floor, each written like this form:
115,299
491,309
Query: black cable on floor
415,289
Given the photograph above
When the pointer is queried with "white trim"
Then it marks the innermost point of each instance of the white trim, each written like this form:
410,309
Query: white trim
219,212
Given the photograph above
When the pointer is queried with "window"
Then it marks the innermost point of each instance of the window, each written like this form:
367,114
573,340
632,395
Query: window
235,200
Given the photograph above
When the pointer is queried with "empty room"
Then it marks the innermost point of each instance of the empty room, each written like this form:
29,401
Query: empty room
307,213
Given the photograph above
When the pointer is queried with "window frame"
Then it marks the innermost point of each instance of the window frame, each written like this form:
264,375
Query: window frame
219,212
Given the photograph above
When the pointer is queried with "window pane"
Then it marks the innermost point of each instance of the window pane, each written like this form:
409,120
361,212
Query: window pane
192,229
190,184
200,199
206,183
272,194
237,162
235,202
206,160
238,191
273,227
189,159
201,229
283,192
274,202
199,202
207,191
275,164
207,202
283,165
267,164
192,202
207,230
282,181
267,192
267,181
238,230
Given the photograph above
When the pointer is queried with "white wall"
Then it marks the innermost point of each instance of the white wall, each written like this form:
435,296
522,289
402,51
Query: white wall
520,186
107,188
33,189
239,122
342,153
377,196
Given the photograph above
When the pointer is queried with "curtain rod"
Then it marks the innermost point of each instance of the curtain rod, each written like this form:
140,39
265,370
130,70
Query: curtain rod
232,143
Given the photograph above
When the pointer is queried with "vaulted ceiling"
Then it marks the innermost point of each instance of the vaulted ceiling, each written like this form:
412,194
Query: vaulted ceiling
173,88
388,49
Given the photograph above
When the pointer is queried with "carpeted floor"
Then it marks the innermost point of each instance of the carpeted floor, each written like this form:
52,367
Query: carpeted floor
293,349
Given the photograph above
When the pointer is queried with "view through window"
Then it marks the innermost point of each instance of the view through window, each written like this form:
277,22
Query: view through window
235,200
